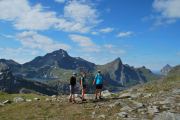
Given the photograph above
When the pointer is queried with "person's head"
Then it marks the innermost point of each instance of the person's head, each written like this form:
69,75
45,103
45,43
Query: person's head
74,74
83,74
99,71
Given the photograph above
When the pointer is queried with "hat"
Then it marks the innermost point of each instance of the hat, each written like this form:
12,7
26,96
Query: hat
74,73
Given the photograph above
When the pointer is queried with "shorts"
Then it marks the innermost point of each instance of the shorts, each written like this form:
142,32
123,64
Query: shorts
84,86
99,86
72,89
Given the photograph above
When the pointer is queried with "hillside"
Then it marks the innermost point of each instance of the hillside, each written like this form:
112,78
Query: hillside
148,101
11,84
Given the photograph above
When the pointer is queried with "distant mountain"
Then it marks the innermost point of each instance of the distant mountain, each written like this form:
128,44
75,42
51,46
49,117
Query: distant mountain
166,69
12,84
117,74
59,58
56,68
10,63
174,73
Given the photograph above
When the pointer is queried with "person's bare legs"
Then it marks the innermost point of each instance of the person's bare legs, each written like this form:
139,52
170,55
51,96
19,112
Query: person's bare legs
96,93
73,96
83,93
70,98
100,93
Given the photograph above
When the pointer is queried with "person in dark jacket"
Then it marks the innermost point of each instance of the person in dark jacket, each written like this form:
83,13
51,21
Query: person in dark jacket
72,88
83,85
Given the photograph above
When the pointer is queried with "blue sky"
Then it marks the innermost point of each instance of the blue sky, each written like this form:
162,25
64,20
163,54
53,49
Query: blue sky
141,32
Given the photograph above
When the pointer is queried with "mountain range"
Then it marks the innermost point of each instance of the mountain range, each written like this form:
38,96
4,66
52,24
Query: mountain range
55,69
166,69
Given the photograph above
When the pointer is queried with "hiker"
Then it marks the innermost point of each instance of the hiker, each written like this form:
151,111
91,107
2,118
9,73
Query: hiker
98,81
83,85
72,88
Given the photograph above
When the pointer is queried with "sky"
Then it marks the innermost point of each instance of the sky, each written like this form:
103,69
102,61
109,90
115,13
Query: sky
140,32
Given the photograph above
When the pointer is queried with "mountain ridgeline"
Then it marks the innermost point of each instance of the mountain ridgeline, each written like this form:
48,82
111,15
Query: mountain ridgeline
55,69
166,69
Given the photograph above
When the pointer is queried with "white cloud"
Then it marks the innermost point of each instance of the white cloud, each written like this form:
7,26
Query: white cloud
125,34
168,8
112,49
33,40
94,33
77,17
169,11
7,36
23,16
82,15
85,42
106,30
60,1
20,54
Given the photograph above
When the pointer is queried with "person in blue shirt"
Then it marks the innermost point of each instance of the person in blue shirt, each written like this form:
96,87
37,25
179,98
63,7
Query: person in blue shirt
98,81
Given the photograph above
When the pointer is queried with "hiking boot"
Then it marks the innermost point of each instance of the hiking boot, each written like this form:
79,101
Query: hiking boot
70,100
100,98
74,101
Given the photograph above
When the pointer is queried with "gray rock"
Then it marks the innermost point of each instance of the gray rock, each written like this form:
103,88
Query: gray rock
153,109
36,99
102,116
176,91
18,99
53,96
6,102
106,93
134,96
126,109
93,114
28,100
123,114
167,116
147,95
1,104
137,105
117,103
125,95
47,99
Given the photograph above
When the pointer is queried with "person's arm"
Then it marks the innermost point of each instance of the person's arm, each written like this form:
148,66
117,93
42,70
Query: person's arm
81,81
94,80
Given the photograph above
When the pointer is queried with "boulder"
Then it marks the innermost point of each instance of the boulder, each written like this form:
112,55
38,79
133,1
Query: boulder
47,99
28,100
18,99
167,116
123,114
102,116
137,105
53,96
93,115
36,99
6,102
125,95
126,109
1,104
106,93
153,109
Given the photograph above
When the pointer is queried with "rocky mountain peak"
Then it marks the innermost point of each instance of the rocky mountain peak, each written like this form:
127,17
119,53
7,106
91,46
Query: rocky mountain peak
60,52
165,70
